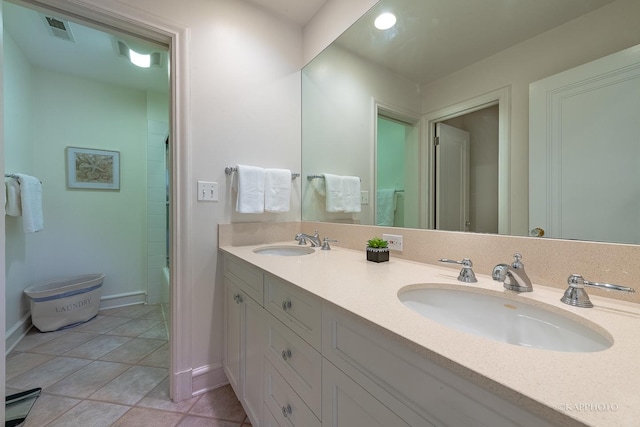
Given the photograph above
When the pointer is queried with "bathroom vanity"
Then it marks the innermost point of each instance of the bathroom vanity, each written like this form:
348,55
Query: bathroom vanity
322,339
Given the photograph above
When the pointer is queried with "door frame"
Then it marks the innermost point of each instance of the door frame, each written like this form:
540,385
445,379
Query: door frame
500,97
121,17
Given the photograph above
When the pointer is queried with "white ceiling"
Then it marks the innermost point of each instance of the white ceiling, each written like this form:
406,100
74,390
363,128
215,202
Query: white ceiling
297,11
434,38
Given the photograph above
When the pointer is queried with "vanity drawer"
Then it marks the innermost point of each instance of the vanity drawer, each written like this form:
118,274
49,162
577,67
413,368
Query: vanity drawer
245,276
298,362
283,403
297,309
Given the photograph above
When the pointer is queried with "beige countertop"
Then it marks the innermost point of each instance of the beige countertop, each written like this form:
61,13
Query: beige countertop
598,388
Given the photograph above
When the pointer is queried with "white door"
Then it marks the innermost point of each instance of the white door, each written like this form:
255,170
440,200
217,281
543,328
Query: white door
584,151
452,178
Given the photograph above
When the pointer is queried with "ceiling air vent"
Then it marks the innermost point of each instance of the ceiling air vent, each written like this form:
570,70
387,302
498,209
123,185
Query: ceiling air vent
59,28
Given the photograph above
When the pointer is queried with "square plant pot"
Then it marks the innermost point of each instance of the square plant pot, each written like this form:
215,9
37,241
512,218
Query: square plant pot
377,255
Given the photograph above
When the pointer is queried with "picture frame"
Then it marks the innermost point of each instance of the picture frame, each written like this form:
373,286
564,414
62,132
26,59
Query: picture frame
92,169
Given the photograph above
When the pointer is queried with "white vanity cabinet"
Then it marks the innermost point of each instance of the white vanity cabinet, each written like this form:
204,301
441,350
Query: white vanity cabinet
294,359
244,331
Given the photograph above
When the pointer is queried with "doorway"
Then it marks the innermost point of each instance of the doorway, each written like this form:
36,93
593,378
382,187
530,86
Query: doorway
488,117
128,111
396,168
466,172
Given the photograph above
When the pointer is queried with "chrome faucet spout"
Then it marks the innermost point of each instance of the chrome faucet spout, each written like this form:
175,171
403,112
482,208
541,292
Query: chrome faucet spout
513,276
302,238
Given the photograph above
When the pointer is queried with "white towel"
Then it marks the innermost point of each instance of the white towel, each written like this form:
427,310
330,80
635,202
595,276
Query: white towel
333,185
277,190
31,201
249,183
12,205
385,206
351,193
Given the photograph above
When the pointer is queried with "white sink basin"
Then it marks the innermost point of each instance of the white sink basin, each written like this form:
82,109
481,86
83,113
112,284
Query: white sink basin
504,319
284,250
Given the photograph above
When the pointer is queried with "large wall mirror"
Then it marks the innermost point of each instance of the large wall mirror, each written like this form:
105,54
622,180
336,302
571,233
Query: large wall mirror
433,115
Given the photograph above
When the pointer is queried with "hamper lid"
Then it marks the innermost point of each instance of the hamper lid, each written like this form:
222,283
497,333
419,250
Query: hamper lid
45,289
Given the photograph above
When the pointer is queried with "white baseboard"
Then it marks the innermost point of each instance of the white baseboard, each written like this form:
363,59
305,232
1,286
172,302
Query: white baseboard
124,299
17,332
207,378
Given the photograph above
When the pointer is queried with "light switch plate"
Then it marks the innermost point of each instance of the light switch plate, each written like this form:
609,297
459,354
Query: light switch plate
364,197
207,191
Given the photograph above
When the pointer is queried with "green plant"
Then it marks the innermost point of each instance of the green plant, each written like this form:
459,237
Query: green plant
377,242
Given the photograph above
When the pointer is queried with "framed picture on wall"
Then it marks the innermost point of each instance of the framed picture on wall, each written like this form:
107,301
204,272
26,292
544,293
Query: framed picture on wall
93,169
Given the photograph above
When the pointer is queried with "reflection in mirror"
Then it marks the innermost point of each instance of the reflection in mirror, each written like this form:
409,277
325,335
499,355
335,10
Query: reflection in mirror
441,62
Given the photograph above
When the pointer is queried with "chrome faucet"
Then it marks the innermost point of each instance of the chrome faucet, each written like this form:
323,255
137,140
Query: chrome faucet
576,294
513,276
466,273
315,239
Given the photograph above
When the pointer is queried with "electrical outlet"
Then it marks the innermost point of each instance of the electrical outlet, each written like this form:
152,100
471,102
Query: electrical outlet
364,197
208,191
394,241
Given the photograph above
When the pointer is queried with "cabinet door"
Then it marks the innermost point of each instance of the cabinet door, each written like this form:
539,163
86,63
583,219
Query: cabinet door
345,403
232,334
253,353
244,330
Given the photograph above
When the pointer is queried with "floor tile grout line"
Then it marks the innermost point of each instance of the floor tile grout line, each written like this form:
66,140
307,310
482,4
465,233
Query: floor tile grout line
156,320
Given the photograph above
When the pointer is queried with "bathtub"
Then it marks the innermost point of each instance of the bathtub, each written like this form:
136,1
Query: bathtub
66,302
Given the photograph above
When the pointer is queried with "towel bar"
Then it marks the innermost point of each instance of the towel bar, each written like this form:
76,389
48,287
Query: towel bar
14,176
229,170
312,177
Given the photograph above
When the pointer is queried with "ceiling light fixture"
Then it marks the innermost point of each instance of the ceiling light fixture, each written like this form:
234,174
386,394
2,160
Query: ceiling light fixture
385,20
142,60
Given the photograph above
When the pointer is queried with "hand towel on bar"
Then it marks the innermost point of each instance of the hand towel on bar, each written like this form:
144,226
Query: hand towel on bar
12,205
249,183
31,200
333,190
351,193
385,206
277,190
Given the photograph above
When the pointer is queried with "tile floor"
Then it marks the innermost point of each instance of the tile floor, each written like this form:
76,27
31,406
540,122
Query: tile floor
111,371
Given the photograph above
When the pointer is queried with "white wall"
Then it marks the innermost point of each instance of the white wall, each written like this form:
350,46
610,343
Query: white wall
20,261
91,231
609,29
339,122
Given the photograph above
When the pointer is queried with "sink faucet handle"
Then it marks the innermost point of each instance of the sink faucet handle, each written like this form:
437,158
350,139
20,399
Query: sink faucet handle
576,294
325,243
466,274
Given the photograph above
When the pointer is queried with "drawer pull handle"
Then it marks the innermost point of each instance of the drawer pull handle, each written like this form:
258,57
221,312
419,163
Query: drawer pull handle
286,410
286,305
237,298
286,354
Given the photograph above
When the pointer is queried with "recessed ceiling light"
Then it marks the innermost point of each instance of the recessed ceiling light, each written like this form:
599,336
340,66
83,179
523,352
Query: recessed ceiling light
385,20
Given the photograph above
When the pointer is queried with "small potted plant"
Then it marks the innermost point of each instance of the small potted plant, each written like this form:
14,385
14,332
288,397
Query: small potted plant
377,250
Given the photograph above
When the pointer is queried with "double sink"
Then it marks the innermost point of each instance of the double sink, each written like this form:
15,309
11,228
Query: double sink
499,316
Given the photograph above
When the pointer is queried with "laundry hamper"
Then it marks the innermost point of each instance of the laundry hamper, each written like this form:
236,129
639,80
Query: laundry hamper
66,302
